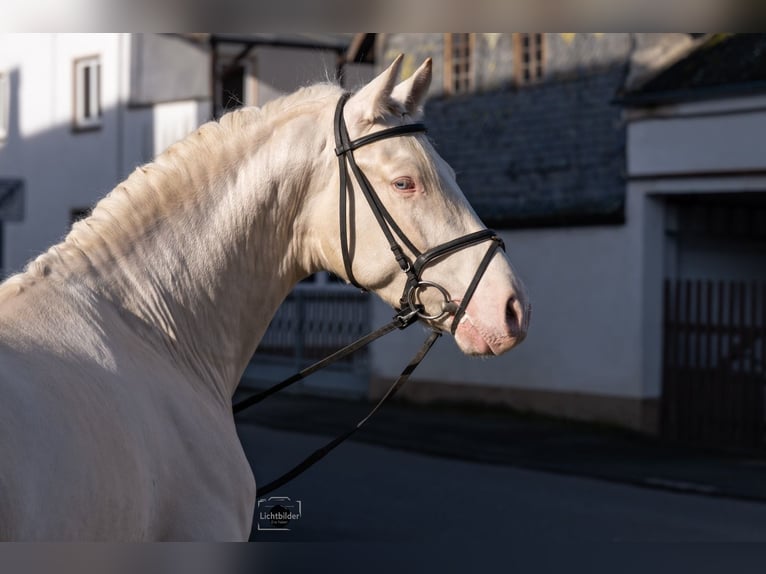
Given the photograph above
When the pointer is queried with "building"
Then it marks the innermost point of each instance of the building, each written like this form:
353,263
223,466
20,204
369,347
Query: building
697,176
83,112
78,112
617,167
529,123
627,177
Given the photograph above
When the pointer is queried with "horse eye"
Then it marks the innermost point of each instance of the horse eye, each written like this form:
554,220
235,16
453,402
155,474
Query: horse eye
404,184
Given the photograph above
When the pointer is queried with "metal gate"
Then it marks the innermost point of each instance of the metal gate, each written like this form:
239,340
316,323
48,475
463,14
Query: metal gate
309,325
714,368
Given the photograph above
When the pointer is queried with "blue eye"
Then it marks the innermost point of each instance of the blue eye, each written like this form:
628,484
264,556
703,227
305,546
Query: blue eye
404,184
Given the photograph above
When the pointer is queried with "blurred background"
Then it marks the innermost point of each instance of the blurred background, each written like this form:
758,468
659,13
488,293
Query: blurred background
625,172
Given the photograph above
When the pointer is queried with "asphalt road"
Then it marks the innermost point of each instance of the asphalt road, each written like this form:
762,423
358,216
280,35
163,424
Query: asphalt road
364,493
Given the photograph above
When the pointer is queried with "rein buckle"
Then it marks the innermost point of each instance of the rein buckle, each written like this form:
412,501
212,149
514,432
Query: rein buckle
407,316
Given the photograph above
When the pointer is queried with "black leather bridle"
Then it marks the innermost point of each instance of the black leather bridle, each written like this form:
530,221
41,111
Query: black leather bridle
344,149
409,310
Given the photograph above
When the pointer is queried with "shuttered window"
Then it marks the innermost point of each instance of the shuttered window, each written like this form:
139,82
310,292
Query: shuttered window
529,58
458,61
87,93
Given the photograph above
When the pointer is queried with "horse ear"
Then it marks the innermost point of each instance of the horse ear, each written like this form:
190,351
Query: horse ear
373,100
412,91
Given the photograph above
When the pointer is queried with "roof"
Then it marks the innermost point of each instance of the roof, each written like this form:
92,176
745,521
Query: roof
550,154
721,65
336,42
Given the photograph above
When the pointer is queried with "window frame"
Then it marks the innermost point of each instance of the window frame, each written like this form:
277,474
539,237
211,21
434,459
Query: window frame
5,104
80,121
520,67
449,73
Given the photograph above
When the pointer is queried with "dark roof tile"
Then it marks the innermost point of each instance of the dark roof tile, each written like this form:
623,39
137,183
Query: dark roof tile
722,65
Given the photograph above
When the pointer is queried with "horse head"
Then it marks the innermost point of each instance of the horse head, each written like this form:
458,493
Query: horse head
406,230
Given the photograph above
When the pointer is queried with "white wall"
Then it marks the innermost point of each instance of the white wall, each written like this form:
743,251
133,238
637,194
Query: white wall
597,291
717,259
708,147
704,137
168,68
597,306
586,331
63,169
173,121
280,71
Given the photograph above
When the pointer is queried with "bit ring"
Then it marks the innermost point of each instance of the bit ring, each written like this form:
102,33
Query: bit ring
422,314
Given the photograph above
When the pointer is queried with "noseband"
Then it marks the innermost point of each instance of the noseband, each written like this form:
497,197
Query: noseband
409,309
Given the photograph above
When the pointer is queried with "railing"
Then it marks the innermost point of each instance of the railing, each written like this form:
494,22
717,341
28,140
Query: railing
312,323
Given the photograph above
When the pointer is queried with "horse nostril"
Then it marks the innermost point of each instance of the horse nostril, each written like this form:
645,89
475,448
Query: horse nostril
510,312
513,316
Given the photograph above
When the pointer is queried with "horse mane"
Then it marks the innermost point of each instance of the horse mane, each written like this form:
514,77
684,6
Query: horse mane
140,202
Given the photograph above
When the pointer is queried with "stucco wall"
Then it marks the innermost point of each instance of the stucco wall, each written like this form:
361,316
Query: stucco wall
538,155
696,149
586,329
705,137
597,291
167,68
62,168
281,71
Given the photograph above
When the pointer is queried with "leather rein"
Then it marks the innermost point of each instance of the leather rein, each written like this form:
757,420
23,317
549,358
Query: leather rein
410,310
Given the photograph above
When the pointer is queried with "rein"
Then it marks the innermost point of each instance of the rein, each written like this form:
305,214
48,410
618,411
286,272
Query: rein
410,310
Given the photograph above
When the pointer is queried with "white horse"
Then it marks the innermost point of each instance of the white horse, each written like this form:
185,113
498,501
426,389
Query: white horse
121,347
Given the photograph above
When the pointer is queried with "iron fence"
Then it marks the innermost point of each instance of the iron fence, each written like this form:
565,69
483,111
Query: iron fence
310,324
714,363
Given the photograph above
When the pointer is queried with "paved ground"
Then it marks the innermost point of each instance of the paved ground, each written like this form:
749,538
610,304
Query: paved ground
537,443
455,476
365,493
465,490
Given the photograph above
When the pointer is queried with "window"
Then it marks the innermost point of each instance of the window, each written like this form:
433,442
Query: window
458,66
5,103
87,93
529,58
78,213
234,87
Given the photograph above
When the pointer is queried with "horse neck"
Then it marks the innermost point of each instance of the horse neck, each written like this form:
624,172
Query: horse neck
198,249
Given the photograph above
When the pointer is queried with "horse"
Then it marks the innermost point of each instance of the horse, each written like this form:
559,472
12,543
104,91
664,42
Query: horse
121,346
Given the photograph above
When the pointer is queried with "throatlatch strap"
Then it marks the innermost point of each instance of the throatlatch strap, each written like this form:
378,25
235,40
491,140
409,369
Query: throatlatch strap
319,454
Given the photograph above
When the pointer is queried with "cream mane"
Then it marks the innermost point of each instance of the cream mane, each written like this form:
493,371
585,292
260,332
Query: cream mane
155,191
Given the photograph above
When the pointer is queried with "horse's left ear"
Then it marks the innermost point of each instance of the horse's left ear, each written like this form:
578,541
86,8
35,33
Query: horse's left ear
412,91
373,101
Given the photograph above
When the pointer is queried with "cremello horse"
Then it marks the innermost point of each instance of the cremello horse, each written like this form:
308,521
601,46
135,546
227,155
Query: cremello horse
121,347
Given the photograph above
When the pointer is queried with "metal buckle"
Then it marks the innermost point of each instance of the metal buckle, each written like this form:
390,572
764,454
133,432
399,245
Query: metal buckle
407,317
420,309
